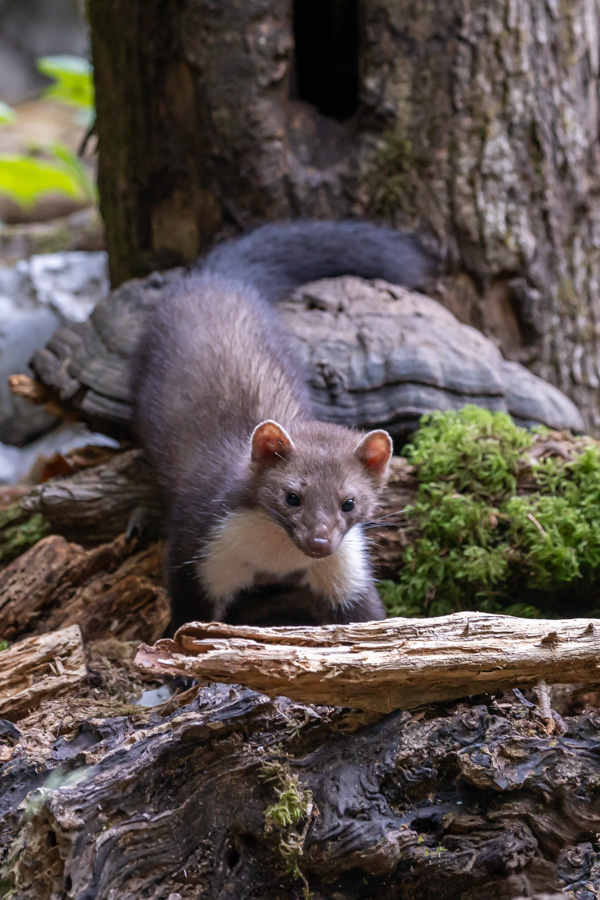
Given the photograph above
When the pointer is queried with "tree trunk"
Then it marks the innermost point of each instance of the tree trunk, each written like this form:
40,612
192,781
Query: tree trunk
475,122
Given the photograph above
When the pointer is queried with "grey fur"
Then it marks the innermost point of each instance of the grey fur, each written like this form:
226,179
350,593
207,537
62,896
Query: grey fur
213,362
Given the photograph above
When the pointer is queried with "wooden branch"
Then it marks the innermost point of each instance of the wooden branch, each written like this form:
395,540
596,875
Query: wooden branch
39,668
39,395
381,666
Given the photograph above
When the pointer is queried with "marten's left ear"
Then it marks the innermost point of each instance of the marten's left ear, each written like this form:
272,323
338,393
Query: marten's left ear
374,451
270,443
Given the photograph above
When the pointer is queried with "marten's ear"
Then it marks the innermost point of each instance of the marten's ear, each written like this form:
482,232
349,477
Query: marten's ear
270,443
374,451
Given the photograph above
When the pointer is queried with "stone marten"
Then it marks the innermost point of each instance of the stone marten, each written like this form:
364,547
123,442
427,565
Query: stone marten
259,492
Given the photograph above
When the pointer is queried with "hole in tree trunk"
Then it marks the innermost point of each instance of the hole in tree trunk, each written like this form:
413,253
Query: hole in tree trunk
326,35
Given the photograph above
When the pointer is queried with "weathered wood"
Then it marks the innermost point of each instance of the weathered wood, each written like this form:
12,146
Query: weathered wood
19,530
96,504
465,802
38,668
374,355
113,590
382,666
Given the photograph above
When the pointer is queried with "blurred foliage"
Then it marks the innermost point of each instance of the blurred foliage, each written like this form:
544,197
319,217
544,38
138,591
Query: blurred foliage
54,169
72,80
7,114
477,544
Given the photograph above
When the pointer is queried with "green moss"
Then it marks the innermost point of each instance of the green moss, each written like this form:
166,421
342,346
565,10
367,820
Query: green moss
19,531
395,175
290,806
477,544
283,818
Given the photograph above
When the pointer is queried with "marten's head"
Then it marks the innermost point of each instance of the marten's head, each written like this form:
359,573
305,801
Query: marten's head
318,480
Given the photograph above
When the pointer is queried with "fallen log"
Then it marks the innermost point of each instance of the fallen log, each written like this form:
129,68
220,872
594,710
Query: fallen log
97,503
382,666
234,795
47,666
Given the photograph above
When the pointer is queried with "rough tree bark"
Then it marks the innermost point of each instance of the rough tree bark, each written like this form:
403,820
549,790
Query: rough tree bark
475,122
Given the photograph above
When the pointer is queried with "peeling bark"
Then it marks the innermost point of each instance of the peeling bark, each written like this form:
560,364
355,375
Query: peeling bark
109,591
382,666
48,666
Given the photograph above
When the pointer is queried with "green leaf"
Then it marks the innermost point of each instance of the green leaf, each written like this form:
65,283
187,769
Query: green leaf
73,77
7,114
25,179
76,168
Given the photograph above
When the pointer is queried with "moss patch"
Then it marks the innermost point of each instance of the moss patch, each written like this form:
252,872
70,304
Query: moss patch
284,818
19,531
478,543
395,175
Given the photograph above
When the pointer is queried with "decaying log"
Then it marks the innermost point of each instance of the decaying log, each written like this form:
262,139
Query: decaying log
473,801
47,666
19,530
113,590
382,666
97,504
374,355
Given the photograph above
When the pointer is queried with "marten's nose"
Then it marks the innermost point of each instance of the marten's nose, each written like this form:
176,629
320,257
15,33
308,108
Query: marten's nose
319,546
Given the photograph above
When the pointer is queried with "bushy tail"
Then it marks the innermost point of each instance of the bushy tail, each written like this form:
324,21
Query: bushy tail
277,258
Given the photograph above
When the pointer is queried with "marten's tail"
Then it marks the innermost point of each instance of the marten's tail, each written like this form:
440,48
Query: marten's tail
277,258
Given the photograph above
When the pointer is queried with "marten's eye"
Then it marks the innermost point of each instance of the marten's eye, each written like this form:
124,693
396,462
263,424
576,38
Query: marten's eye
348,505
292,499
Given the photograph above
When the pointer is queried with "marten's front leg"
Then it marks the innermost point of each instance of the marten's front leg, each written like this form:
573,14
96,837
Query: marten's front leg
364,607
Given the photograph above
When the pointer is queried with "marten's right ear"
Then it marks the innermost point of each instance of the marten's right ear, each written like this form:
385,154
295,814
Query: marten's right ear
270,443
374,450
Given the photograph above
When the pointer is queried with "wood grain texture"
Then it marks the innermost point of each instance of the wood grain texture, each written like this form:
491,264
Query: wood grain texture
95,505
38,668
112,590
382,666
471,801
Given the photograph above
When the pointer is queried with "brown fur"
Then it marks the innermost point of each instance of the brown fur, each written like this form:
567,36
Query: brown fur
213,364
